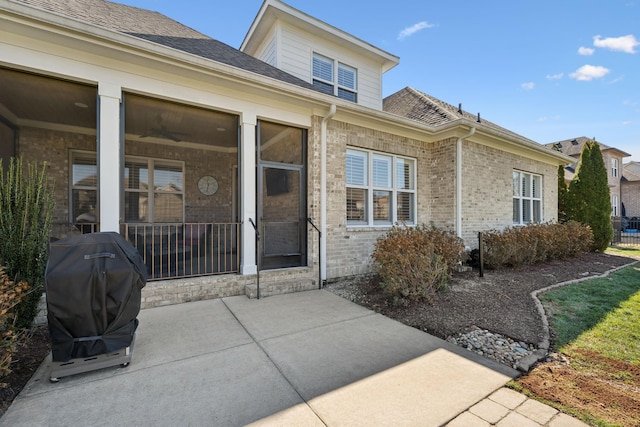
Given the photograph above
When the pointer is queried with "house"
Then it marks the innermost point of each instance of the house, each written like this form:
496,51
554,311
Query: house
612,160
193,149
630,189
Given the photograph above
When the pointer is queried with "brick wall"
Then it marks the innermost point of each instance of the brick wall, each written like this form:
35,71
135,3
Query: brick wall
631,198
487,189
349,249
54,147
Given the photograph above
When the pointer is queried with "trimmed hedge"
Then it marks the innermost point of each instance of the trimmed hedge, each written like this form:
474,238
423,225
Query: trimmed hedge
536,243
413,263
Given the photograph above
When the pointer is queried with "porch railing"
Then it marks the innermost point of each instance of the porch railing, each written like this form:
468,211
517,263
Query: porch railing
177,250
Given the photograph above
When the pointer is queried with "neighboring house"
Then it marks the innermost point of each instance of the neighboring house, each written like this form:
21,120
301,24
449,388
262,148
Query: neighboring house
612,161
183,144
631,195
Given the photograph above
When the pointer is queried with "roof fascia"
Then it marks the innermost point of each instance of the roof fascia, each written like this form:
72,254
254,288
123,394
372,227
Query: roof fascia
273,10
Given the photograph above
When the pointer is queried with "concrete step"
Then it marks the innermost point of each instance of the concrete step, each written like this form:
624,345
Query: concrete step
280,287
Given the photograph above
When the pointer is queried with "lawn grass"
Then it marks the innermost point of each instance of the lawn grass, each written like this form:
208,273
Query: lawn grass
602,311
627,251
596,324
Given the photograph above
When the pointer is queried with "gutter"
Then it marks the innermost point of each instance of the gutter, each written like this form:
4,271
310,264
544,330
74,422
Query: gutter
323,192
459,181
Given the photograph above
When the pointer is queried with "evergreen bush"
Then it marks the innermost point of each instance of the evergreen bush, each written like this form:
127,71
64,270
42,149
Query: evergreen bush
589,196
26,209
413,263
517,246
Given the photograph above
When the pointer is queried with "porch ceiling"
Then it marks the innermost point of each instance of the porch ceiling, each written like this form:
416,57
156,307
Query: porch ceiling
32,100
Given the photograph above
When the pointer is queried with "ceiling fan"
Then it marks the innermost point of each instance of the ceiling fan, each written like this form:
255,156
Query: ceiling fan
161,131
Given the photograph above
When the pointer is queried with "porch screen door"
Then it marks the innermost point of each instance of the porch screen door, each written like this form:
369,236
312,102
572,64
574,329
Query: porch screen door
282,196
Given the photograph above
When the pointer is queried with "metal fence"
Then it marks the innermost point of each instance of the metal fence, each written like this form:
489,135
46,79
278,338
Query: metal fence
626,231
178,250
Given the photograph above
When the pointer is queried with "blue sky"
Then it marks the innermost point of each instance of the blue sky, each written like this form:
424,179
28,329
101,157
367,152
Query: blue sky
548,70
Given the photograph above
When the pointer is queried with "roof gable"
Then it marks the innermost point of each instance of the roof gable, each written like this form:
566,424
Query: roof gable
273,10
573,146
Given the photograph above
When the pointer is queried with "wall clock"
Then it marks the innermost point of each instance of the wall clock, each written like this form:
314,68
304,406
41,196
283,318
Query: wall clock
207,185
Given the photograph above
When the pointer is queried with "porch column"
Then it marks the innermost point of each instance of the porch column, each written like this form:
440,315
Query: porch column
248,193
109,156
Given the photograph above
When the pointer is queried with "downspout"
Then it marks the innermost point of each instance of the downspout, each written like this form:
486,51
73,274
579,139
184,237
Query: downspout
459,181
323,192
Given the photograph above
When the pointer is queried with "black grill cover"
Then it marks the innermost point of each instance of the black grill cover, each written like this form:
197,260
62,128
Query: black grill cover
93,284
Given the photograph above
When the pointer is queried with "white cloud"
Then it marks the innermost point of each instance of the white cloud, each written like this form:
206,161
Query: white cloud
622,44
528,85
589,72
626,123
586,51
555,76
409,31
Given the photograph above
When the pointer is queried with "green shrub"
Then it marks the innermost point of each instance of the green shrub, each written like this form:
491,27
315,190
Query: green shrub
26,206
535,243
413,263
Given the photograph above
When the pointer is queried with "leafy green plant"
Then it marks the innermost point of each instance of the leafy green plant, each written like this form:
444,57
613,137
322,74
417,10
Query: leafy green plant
26,209
414,262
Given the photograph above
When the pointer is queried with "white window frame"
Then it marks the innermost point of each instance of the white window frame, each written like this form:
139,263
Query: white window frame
614,205
151,191
335,83
390,184
614,168
88,155
520,199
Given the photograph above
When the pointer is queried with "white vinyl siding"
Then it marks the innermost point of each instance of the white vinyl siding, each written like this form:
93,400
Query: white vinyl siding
527,198
268,50
295,56
380,188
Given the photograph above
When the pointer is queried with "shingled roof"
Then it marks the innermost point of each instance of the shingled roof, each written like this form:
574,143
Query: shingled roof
573,146
416,105
158,28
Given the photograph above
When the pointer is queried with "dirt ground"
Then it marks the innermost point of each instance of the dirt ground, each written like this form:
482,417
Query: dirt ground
500,302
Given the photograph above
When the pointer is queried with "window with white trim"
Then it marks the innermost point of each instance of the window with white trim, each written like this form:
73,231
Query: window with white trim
527,198
153,190
614,205
335,78
614,168
380,188
84,187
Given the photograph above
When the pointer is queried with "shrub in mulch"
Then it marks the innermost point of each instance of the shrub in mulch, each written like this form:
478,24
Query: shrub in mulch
412,263
536,243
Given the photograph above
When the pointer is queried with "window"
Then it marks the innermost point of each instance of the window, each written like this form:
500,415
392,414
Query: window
380,188
527,198
324,77
614,168
84,188
614,205
153,190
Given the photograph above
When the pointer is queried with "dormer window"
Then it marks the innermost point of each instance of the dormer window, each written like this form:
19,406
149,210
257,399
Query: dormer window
325,78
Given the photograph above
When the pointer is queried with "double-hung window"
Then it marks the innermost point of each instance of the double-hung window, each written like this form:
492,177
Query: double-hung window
380,188
614,168
84,187
614,205
527,198
154,190
334,77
